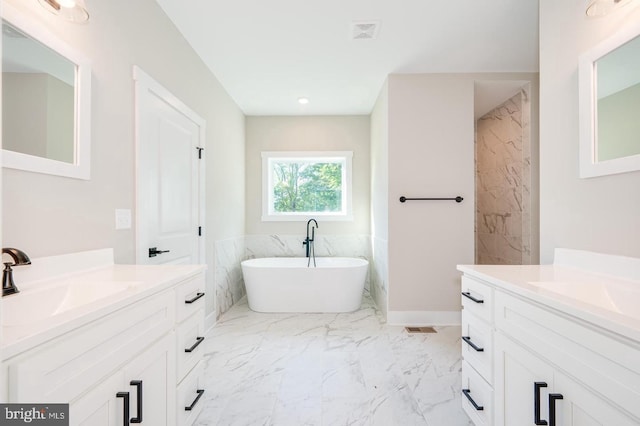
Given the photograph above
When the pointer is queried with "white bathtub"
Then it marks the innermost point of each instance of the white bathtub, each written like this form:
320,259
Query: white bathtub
286,284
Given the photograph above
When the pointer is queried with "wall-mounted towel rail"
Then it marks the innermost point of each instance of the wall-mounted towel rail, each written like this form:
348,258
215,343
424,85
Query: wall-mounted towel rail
457,199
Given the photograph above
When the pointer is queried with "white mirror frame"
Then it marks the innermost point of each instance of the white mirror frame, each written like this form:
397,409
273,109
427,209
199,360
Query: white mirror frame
589,167
81,168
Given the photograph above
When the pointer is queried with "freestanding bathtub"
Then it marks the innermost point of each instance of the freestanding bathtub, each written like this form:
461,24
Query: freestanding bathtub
286,284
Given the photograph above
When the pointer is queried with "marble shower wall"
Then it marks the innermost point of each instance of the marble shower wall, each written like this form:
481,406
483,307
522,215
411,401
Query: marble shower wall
325,245
291,246
503,183
228,274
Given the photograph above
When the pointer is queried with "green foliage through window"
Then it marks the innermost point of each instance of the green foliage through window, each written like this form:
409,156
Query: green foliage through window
302,184
307,186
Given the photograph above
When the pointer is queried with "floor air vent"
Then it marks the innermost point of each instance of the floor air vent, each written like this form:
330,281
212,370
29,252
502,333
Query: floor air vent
420,330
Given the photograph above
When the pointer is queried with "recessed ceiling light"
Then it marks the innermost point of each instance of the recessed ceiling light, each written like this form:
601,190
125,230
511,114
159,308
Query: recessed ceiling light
303,101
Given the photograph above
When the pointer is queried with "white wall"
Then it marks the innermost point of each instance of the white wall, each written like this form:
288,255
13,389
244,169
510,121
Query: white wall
423,146
618,124
431,154
380,199
48,215
27,95
308,133
599,214
60,124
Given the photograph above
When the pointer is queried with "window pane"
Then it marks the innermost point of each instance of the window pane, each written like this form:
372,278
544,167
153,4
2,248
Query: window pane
306,186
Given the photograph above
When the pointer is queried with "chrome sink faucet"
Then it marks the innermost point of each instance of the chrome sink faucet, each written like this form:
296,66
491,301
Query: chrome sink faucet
308,242
19,258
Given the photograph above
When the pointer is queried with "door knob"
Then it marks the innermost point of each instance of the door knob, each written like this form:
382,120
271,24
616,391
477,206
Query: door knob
153,251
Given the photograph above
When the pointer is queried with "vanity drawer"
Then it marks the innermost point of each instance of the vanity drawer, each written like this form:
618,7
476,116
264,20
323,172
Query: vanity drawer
477,345
476,389
190,343
189,297
605,362
477,298
190,396
62,370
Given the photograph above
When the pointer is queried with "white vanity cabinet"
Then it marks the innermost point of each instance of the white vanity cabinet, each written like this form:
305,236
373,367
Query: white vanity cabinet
190,350
555,369
532,391
477,350
126,366
148,375
555,361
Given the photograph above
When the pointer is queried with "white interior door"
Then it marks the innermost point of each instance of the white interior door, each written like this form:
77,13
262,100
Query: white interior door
170,177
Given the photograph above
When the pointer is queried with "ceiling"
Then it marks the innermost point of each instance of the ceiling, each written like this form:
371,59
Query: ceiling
267,54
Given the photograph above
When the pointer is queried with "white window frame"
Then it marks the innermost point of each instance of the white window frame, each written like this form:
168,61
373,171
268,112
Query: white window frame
270,157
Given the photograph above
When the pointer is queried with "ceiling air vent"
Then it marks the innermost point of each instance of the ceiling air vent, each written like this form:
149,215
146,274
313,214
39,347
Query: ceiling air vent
364,30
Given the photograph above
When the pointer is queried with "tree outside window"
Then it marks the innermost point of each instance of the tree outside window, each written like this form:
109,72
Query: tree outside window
313,184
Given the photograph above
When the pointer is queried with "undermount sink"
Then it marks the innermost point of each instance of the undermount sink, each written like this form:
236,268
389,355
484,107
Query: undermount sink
39,304
621,298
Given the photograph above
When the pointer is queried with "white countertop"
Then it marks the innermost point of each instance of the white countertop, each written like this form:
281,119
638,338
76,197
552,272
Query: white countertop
606,301
133,282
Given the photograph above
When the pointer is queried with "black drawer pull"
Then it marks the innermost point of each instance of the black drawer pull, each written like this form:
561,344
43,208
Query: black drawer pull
138,385
153,251
195,401
195,345
536,403
125,409
467,393
473,345
469,296
198,296
552,407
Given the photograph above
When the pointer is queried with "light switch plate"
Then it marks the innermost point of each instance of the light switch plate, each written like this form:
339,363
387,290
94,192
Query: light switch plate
123,219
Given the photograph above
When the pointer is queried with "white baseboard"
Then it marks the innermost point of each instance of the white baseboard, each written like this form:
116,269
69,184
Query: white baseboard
424,318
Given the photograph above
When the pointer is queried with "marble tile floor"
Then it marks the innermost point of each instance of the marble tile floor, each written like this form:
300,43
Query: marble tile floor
329,369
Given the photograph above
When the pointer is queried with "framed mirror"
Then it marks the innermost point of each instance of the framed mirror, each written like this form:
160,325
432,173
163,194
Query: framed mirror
46,101
609,77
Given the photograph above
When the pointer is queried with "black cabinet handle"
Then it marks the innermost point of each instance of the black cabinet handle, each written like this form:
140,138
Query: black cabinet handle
195,345
195,401
153,251
552,407
125,410
198,296
473,345
469,296
536,403
467,393
138,385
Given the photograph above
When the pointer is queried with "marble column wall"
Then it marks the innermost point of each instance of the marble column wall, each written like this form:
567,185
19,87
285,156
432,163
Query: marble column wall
229,284
503,182
379,274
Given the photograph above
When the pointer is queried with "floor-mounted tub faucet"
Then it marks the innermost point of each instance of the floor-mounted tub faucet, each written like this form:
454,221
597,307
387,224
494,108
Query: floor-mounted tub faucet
19,258
308,242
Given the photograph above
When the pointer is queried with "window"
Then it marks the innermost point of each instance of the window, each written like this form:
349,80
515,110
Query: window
296,185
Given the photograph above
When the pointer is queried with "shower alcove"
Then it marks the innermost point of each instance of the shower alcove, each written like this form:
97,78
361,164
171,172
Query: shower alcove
503,173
